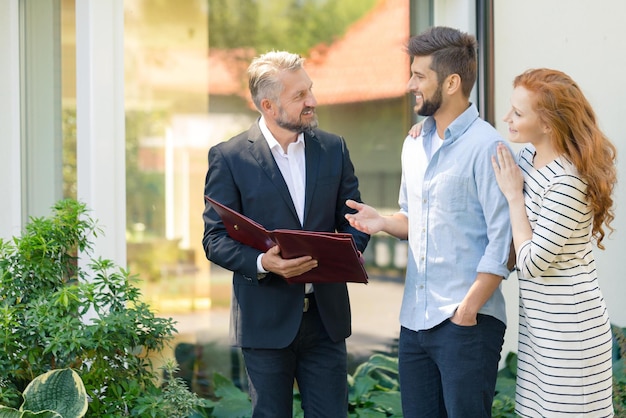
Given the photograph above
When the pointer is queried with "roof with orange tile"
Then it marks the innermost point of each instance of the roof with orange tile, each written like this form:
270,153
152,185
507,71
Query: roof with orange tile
369,62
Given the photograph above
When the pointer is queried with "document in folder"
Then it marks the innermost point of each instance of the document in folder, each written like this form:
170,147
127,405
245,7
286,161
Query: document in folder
338,259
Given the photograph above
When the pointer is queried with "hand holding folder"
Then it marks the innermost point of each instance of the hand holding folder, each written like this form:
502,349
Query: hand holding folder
337,256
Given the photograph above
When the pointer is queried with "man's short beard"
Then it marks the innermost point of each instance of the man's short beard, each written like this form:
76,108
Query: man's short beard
298,126
429,107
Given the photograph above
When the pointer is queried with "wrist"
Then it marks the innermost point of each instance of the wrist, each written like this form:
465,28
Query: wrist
259,265
464,313
516,198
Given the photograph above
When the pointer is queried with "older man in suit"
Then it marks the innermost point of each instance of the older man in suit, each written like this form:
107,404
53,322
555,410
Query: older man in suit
284,173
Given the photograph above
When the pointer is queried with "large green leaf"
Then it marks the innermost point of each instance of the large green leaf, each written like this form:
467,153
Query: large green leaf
41,414
505,386
233,402
389,401
369,413
6,412
226,389
378,362
232,408
361,387
59,390
619,370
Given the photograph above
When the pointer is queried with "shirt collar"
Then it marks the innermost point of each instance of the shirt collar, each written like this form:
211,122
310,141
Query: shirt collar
457,127
271,141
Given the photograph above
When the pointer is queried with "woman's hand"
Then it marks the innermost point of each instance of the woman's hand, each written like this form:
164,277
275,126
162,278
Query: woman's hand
508,174
416,130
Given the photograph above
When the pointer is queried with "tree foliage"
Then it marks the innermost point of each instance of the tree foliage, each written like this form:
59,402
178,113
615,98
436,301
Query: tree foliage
294,25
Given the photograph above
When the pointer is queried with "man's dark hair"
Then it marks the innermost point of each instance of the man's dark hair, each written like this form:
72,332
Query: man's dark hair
452,51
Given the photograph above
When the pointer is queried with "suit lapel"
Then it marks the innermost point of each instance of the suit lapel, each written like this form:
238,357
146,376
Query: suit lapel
263,155
312,152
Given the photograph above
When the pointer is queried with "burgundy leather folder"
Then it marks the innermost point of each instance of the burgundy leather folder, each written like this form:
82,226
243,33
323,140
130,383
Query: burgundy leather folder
337,256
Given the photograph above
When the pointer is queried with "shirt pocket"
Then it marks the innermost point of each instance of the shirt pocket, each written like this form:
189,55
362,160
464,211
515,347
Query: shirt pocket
450,193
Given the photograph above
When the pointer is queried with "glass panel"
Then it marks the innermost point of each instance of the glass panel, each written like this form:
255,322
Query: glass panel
167,133
68,94
41,105
186,90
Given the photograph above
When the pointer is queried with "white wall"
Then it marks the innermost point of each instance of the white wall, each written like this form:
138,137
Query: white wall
100,126
460,14
10,163
585,40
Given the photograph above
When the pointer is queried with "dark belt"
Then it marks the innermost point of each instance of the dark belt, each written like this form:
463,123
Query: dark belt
309,302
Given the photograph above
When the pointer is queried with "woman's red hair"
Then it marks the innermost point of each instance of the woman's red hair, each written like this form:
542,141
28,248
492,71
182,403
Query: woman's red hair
562,106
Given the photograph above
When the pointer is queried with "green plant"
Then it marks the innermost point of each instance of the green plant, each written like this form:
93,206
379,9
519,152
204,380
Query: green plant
619,371
504,401
54,314
173,401
6,412
57,393
374,390
230,401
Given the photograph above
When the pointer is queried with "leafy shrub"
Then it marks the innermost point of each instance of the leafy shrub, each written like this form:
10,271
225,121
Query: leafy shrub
619,371
504,400
374,392
55,314
374,388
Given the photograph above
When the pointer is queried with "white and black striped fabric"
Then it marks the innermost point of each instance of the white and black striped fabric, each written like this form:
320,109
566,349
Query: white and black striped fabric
564,352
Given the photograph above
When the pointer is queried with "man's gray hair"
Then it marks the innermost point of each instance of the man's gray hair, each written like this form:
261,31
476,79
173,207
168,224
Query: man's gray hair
263,74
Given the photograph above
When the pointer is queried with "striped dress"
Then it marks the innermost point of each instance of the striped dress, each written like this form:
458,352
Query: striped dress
564,351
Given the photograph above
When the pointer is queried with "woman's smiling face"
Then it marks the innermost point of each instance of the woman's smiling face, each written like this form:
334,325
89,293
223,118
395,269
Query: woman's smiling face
523,121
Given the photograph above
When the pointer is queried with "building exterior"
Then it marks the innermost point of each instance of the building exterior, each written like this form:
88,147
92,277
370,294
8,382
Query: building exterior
573,36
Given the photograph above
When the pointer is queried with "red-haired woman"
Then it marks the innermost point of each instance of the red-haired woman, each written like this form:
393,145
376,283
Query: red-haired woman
560,202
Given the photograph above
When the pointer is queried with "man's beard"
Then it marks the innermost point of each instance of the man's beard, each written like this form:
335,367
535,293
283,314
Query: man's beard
429,107
296,126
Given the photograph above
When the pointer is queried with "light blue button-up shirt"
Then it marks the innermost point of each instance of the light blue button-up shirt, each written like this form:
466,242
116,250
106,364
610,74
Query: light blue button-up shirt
458,220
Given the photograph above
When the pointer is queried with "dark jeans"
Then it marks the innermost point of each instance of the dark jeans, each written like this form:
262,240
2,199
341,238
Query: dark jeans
318,364
450,371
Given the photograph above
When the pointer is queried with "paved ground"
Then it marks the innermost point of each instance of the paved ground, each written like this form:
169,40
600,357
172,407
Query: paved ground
375,326
375,323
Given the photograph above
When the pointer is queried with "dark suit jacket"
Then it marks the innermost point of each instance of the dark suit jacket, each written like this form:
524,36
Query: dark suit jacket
244,176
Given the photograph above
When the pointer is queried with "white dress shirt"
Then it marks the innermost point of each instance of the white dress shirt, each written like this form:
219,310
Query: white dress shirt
292,167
